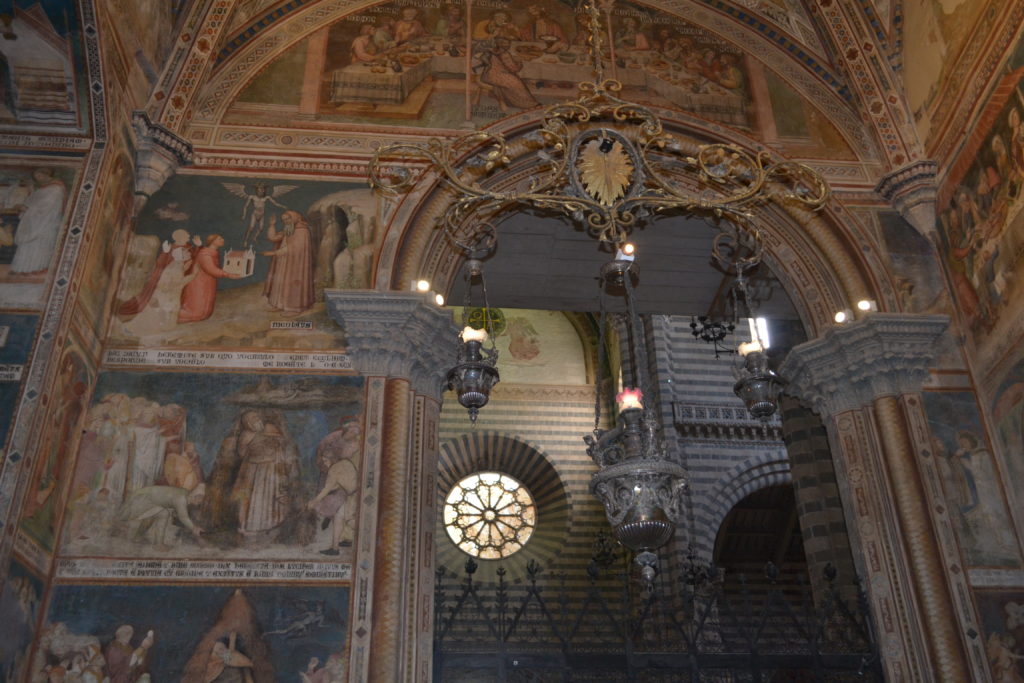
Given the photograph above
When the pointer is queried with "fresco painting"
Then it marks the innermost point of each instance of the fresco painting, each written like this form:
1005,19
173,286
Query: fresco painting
59,436
935,32
919,282
982,219
188,465
1008,415
423,65
112,223
1002,624
20,595
970,480
799,125
33,208
148,26
39,49
220,260
195,634
17,333
534,347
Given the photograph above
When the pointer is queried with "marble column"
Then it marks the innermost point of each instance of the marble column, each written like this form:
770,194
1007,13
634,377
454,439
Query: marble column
862,378
403,344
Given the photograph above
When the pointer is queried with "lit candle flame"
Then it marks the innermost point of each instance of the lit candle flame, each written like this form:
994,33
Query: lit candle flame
629,399
473,334
750,347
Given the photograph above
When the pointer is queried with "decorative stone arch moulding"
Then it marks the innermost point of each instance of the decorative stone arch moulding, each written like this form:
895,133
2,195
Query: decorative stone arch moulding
753,474
826,260
813,79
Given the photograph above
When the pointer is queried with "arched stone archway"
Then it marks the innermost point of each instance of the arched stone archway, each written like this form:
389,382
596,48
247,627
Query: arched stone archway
871,369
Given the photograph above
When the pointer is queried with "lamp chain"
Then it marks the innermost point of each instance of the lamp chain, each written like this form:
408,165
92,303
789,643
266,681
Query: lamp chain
602,355
639,347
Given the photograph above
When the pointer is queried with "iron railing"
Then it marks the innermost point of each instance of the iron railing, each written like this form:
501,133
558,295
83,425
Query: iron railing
610,627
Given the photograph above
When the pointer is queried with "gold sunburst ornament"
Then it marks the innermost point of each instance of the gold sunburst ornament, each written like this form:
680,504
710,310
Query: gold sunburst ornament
605,170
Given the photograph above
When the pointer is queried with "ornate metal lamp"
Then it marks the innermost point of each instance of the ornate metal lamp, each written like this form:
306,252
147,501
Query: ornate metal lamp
640,487
475,374
757,385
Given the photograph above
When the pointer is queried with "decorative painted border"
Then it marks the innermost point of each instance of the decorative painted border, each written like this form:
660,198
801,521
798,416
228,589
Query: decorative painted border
14,472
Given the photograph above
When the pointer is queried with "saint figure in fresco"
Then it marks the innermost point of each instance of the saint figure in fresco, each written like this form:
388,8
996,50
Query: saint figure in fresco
268,476
979,498
543,28
498,26
39,225
126,663
289,285
409,27
501,72
233,650
200,294
338,457
157,305
363,50
630,37
451,26
150,513
227,665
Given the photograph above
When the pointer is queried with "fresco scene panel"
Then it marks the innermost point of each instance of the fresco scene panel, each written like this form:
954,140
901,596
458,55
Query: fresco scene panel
224,466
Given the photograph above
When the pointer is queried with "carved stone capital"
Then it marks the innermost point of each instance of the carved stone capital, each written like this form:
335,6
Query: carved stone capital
158,154
882,354
912,191
397,334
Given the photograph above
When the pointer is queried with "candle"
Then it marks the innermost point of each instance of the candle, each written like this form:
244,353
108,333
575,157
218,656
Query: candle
473,334
750,347
627,252
629,399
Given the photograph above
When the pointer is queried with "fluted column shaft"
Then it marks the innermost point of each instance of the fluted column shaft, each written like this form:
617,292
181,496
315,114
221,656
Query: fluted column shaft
932,591
392,512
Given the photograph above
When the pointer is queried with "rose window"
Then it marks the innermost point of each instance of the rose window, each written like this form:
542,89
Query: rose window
489,515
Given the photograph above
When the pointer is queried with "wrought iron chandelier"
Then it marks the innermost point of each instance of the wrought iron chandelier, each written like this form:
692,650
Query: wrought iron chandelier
609,166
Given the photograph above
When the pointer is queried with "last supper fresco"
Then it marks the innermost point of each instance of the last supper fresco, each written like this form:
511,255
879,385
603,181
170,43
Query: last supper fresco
439,65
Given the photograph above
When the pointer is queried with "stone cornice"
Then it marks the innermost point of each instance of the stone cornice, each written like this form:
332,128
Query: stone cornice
397,334
882,354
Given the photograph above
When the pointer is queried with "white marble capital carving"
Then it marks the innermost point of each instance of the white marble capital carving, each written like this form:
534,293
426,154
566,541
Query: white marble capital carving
158,154
912,191
397,334
848,367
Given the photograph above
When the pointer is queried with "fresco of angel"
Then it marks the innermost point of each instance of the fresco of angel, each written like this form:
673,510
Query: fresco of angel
262,195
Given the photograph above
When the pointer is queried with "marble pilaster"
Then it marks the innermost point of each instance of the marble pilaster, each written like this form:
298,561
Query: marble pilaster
406,343
862,378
